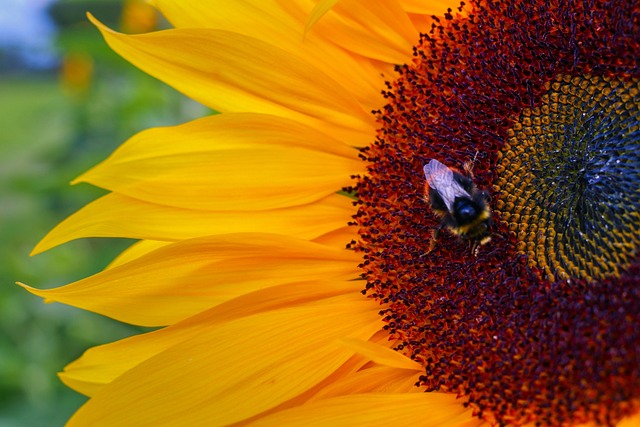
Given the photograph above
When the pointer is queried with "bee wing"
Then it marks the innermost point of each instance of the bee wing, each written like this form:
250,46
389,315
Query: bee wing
440,178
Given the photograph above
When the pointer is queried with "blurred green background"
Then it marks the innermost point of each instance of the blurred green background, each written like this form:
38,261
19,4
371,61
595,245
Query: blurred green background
66,101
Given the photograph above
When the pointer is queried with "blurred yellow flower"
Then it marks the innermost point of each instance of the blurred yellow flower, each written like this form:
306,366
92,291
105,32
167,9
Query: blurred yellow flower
138,16
242,260
76,73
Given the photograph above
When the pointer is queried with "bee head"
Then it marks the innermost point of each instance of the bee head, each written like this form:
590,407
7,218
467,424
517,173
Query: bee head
473,218
465,210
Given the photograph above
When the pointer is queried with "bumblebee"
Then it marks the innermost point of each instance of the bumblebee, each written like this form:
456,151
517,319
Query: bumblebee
455,199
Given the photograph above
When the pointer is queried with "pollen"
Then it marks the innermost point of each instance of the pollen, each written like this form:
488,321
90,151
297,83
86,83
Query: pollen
541,324
569,186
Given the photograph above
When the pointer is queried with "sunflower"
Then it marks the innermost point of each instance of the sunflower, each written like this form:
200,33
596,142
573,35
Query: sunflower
284,244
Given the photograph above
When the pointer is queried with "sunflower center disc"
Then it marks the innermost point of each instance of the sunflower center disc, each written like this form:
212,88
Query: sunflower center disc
539,325
568,179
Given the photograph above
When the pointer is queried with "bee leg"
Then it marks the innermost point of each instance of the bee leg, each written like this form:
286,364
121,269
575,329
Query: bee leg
475,247
475,156
435,233
468,166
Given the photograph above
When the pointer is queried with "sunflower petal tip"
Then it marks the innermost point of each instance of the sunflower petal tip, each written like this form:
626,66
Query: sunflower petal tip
380,354
82,177
51,240
28,288
40,247
318,12
93,19
37,292
103,28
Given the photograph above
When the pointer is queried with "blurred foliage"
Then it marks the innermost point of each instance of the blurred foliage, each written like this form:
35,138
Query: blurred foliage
67,13
53,128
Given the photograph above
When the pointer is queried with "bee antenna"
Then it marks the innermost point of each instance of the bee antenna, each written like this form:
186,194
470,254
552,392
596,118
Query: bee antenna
475,156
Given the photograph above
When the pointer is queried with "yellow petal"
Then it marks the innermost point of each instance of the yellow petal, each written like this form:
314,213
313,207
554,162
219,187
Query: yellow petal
321,8
184,278
267,20
233,371
228,162
377,409
375,379
115,215
631,421
338,238
261,19
431,7
101,365
230,72
384,32
136,250
381,354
